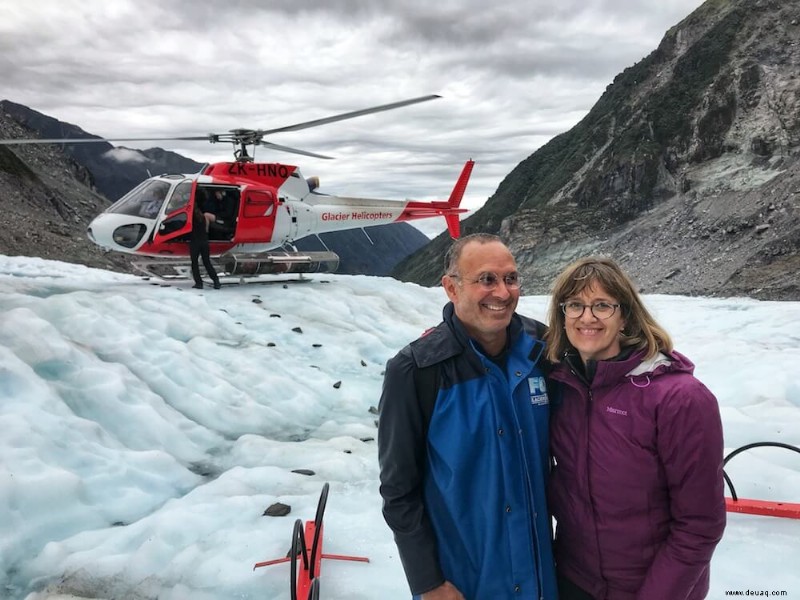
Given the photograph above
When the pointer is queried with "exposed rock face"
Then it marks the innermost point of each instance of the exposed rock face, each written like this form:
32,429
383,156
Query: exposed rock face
684,170
114,172
46,202
715,242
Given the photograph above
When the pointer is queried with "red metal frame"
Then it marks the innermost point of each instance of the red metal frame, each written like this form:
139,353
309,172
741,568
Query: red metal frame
764,508
310,553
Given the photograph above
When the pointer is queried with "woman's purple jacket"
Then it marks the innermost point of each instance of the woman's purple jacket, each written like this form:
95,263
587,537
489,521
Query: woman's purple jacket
637,490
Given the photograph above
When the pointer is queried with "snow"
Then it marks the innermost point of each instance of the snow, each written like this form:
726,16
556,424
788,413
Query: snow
145,428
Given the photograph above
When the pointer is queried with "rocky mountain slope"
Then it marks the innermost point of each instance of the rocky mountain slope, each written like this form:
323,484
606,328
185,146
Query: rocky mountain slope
49,194
114,172
684,170
46,201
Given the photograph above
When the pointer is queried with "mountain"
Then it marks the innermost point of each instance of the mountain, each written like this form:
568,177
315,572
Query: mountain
684,170
359,250
115,171
46,201
50,193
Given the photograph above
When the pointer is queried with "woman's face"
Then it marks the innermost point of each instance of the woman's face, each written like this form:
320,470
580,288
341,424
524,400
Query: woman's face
594,338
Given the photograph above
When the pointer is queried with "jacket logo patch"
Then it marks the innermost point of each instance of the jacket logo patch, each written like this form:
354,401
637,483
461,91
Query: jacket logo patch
617,411
538,391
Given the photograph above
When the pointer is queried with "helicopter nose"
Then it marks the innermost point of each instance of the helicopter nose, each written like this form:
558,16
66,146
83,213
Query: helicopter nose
116,232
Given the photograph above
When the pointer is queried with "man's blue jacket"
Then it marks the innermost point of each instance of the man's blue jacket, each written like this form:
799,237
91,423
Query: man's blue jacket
463,450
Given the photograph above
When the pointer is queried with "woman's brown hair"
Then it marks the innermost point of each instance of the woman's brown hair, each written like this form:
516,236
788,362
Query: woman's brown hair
641,329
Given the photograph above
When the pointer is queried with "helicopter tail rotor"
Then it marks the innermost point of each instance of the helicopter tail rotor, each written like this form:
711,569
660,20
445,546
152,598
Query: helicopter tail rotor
452,219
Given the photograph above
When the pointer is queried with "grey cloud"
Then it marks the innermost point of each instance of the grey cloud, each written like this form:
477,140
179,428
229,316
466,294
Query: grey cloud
512,75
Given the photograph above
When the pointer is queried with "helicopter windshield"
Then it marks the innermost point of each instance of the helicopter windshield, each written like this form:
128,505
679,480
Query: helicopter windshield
144,201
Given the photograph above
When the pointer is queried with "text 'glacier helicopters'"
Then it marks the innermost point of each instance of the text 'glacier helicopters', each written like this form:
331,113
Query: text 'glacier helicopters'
260,208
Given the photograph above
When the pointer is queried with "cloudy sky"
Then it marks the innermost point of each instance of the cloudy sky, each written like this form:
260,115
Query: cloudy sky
511,74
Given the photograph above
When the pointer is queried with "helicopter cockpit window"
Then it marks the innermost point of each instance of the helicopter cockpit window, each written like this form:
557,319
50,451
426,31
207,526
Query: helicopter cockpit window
180,197
144,201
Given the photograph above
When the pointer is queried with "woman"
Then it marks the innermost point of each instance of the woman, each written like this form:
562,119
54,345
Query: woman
637,488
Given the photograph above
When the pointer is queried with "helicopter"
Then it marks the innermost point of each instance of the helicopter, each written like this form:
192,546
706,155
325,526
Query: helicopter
260,208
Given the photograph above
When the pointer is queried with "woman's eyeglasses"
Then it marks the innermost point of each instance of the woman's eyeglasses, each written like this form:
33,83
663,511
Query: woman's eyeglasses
601,310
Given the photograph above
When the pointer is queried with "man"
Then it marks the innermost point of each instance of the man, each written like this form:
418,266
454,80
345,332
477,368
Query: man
152,199
463,440
198,247
219,212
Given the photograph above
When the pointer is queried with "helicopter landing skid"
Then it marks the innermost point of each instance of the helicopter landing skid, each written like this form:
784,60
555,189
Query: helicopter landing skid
246,268
169,269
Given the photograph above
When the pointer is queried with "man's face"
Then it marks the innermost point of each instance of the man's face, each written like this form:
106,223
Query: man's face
485,311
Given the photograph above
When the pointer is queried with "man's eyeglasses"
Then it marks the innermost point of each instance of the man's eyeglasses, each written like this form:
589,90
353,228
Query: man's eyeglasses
601,310
489,281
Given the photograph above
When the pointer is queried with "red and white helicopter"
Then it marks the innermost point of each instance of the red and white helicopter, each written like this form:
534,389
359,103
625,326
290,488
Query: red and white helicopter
261,208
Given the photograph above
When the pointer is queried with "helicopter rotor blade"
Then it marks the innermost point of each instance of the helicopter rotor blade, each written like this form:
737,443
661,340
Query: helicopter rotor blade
292,150
349,115
241,137
96,140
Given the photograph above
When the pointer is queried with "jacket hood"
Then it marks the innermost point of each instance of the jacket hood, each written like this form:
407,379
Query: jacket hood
638,369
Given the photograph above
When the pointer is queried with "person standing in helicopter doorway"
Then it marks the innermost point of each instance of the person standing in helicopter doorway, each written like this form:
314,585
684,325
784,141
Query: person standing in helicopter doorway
198,247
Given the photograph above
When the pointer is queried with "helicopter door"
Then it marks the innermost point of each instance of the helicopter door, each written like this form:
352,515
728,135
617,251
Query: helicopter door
176,221
257,224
